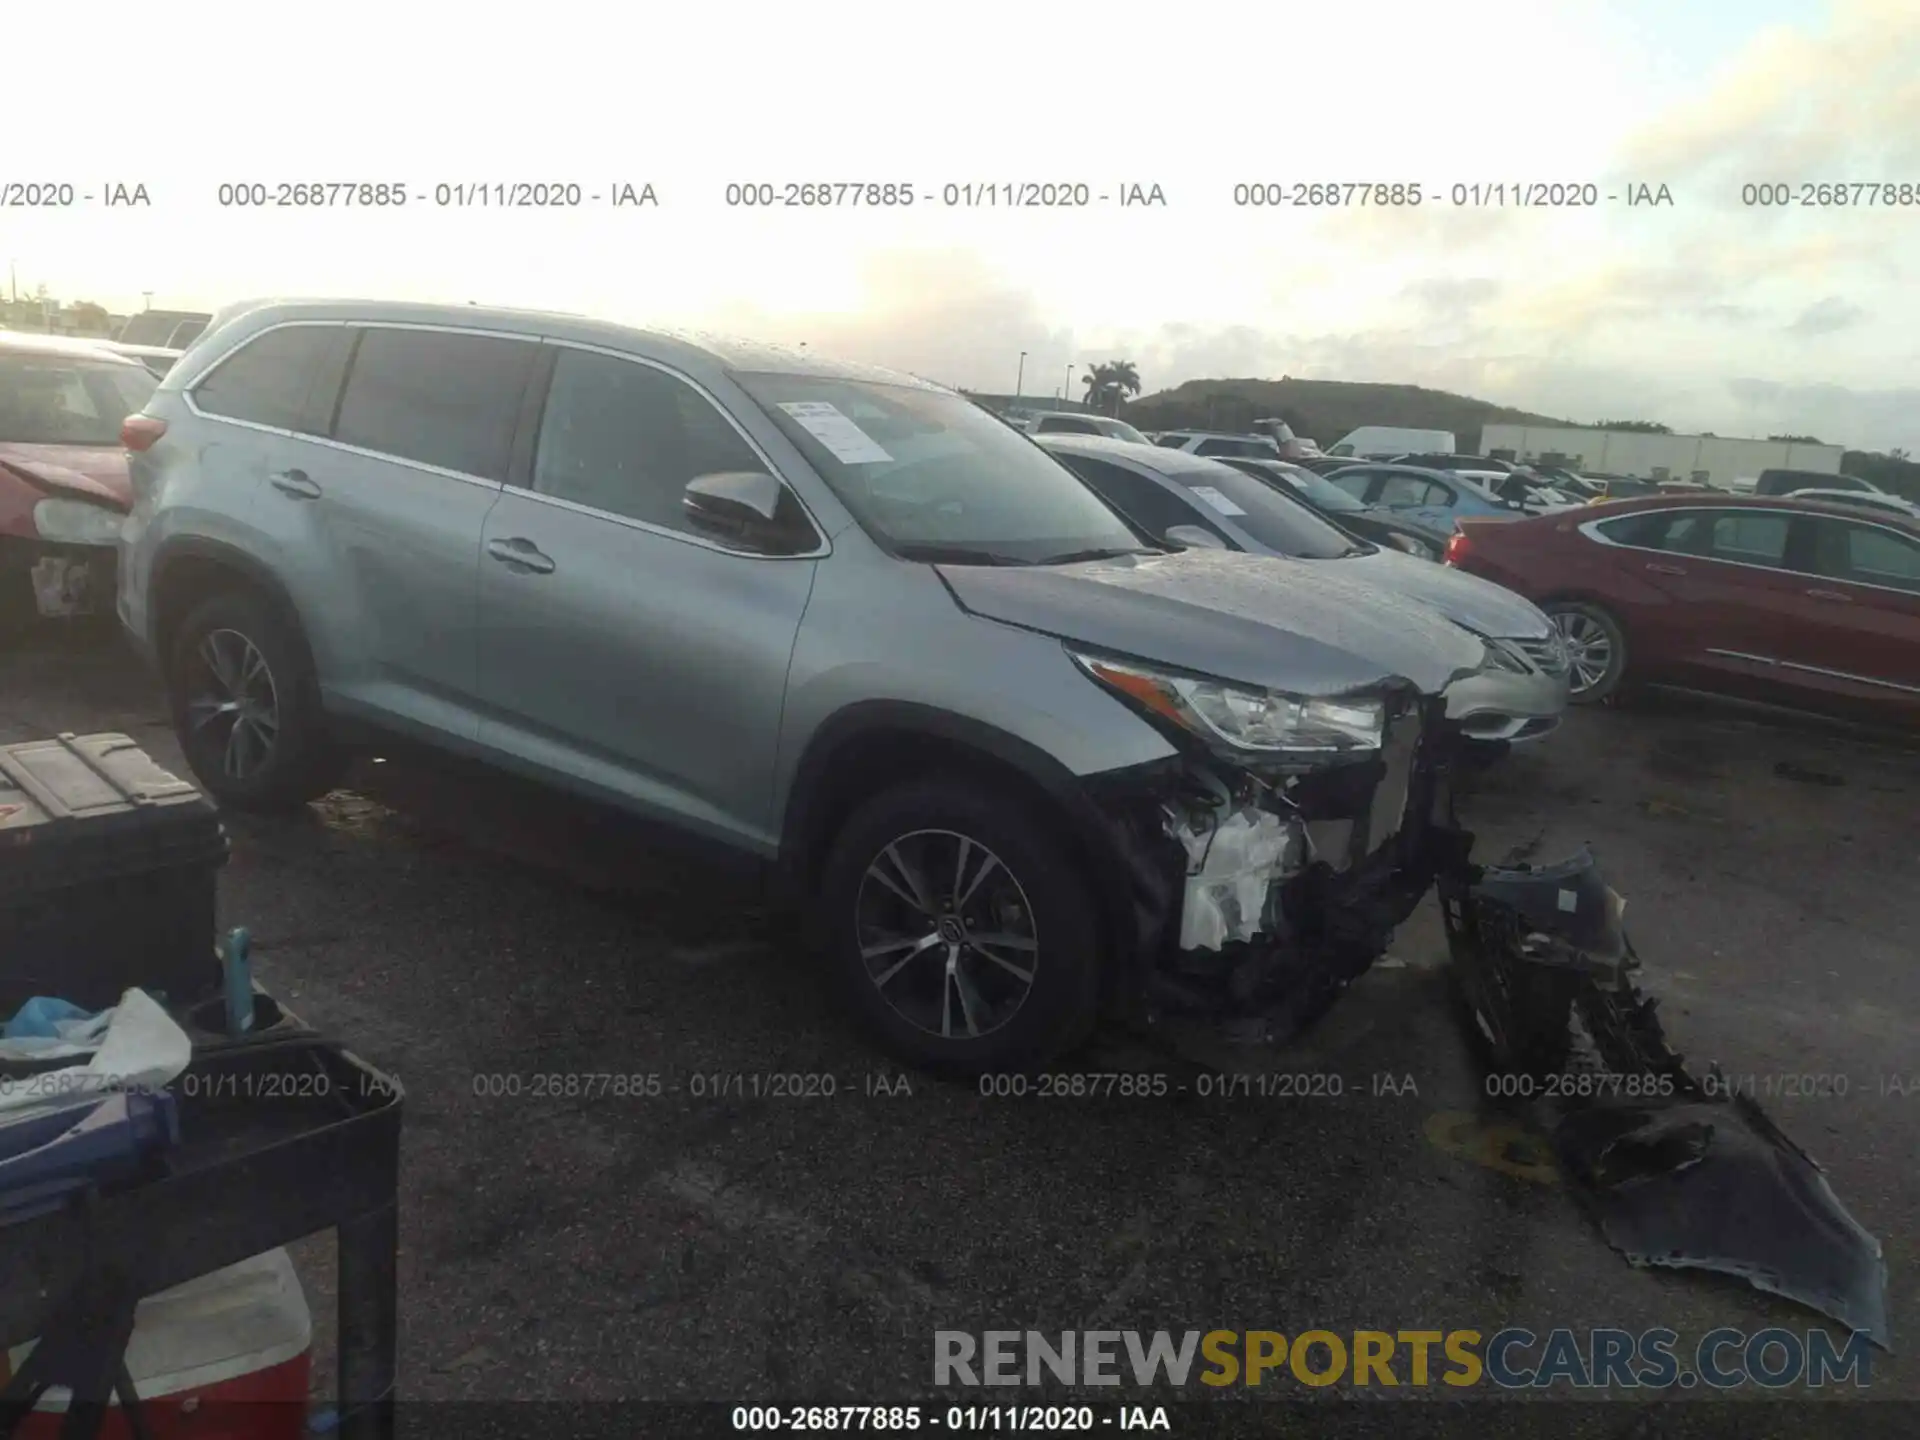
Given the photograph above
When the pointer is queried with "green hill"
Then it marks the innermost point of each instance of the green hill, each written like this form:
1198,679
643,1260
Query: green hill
1322,409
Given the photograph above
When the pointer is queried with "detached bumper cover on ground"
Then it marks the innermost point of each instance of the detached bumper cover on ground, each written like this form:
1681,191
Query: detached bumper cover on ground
1261,896
1675,1171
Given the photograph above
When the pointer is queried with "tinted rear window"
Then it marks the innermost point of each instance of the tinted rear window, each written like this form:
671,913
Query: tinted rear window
266,381
446,400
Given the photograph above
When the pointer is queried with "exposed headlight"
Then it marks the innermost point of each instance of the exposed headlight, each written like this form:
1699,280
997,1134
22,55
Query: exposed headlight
75,522
1264,721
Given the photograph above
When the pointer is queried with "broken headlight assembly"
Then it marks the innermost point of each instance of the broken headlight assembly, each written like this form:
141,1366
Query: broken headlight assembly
1245,719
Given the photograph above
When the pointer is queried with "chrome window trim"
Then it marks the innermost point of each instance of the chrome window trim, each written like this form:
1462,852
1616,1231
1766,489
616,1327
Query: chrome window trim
1591,529
823,546
1816,670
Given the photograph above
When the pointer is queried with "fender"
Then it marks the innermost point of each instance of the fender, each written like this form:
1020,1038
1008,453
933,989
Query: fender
801,840
195,547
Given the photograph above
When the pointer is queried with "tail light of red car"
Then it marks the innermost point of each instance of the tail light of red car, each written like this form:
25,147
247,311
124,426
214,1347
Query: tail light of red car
139,432
1457,546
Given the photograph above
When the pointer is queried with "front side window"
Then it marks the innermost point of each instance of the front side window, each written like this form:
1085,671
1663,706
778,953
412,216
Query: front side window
61,400
1749,537
626,438
1273,520
1354,482
1149,504
1406,491
446,400
931,476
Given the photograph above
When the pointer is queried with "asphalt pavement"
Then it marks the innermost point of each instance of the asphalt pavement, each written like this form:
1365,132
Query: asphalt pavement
665,1227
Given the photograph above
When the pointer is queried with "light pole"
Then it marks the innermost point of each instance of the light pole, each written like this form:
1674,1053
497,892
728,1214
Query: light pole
1020,377
1068,392
147,295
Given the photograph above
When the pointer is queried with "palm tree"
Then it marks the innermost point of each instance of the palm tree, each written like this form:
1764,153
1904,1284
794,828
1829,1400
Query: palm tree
1108,384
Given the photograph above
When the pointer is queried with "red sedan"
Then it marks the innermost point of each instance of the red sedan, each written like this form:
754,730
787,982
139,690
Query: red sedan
64,488
1801,603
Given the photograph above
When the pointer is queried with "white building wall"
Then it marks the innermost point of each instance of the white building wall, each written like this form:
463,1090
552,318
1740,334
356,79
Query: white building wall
1625,452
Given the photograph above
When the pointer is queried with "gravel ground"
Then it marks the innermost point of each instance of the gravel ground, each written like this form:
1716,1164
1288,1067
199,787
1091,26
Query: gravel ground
744,1248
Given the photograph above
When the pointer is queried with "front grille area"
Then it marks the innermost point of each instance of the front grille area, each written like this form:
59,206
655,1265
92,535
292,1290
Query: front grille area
1547,652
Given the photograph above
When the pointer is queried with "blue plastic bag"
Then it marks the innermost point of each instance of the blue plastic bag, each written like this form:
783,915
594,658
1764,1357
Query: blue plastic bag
40,1019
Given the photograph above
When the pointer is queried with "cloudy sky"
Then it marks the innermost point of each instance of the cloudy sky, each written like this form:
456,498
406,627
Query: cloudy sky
1706,314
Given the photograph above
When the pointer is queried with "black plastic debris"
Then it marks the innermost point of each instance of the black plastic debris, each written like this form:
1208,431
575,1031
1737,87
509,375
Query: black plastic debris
1676,1172
1714,1185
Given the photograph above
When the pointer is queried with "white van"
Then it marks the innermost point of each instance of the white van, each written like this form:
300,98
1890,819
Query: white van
1385,441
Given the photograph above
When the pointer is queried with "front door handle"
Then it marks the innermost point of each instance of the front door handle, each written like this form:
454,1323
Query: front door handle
1842,597
521,553
1666,569
294,483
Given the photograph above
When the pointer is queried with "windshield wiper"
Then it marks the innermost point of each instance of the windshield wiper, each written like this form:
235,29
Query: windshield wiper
955,555
1074,557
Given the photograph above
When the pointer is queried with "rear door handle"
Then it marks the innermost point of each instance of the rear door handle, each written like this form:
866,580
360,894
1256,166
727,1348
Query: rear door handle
521,553
1844,599
1666,569
294,483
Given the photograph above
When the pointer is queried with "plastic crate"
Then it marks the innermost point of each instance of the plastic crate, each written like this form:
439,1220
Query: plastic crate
107,873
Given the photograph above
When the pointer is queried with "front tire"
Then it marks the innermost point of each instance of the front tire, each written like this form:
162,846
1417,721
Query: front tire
960,929
1596,649
246,706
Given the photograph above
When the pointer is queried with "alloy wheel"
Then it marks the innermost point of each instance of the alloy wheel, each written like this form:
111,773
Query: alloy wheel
1589,648
232,705
946,934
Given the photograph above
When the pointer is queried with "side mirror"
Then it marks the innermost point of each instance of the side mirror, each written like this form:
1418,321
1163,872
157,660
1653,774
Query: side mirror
1193,537
749,509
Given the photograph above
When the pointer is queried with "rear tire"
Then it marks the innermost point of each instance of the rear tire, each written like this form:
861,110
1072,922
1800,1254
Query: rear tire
246,706
922,973
1596,646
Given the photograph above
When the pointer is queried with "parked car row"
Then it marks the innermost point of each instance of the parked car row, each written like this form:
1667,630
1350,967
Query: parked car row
1028,726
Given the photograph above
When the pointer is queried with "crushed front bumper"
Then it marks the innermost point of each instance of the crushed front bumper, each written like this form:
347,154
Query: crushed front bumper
56,581
1259,895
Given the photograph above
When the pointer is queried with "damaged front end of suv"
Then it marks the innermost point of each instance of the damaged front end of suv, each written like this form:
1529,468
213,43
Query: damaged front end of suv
1268,877
1271,861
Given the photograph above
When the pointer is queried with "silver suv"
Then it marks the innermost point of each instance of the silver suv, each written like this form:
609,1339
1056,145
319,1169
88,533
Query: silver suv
1014,761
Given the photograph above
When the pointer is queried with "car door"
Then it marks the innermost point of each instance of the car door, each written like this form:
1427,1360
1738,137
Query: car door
1858,639
624,651
378,517
1742,603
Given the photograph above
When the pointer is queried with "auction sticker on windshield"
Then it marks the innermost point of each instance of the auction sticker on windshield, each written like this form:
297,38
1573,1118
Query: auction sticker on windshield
849,444
1218,501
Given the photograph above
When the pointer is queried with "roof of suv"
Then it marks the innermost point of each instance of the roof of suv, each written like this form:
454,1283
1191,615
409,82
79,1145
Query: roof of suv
27,343
690,348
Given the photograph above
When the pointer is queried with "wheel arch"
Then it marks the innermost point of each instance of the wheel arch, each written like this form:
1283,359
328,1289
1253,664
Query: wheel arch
190,570
873,745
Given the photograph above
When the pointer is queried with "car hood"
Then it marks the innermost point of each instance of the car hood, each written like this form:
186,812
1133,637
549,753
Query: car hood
90,472
1480,605
1257,619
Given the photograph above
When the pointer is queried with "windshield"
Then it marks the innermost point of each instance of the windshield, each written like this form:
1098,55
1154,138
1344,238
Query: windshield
1280,524
932,476
1317,489
66,400
1121,430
